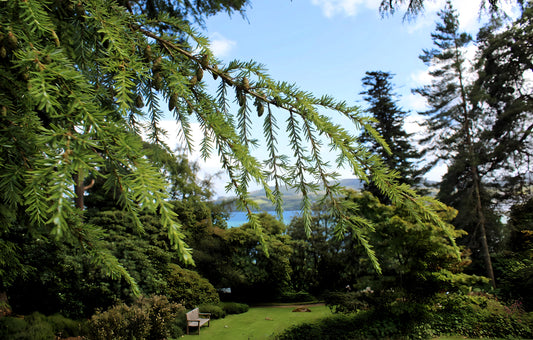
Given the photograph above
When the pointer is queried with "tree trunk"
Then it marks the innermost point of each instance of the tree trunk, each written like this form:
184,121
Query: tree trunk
476,181
80,188
481,225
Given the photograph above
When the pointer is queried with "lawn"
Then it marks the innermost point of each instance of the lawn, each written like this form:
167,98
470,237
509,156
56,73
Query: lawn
261,322
257,323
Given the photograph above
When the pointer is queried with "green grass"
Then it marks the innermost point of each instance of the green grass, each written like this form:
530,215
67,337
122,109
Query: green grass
257,323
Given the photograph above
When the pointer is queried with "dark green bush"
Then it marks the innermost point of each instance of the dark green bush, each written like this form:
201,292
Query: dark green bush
188,288
12,328
234,307
216,311
33,327
151,318
480,315
66,327
300,296
346,302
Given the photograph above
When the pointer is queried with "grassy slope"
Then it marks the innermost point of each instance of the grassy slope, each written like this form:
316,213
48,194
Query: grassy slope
255,323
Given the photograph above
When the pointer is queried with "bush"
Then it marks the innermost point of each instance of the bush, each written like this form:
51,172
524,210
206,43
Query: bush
234,307
216,311
33,327
346,302
471,316
300,296
65,327
480,315
162,316
189,288
151,318
12,328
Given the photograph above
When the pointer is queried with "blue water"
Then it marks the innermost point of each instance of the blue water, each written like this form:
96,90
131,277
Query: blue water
238,218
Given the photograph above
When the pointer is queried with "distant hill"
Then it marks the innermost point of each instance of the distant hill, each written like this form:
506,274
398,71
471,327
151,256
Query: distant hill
291,198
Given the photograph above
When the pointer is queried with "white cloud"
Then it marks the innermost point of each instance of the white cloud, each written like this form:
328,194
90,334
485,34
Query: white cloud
469,11
420,78
416,102
331,8
220,45
412,123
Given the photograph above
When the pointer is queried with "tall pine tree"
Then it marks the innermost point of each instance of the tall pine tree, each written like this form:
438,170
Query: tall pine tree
504,91
398,154
452,131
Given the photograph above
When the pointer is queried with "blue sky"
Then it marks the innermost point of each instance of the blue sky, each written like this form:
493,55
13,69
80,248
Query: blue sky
326,46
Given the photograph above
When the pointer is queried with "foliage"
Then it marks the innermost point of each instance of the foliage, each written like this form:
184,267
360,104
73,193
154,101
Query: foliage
415,7
80,78
65,327
417,259
466,315
515,277
217,312
503,92
363,325
398,153
300,296
38,326
189,288
234,307
521,225
261,260
63,279
70,282
148,318
348,302
319,256
480,315
454,128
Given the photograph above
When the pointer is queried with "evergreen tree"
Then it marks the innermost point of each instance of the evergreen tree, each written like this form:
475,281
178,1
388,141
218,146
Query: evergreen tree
504,92
452,129
398,153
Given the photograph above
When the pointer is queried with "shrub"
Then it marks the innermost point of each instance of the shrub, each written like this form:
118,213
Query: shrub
38,326
216,311
151,318
65,327
11,327
300,296
346,302
162,316
189,288
119,322
33,327
480,315
234,307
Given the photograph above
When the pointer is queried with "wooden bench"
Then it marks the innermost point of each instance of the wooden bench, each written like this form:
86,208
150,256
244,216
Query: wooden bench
194,319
